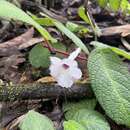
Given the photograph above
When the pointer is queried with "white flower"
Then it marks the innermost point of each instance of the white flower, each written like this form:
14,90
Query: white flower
65,71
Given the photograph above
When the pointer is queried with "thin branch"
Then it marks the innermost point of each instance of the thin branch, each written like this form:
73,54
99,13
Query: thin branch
65,53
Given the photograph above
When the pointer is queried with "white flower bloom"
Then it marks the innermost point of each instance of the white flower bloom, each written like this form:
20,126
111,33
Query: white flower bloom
65,71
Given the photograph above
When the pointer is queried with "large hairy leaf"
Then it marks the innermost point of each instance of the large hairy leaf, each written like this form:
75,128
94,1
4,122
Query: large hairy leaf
10,11
72,125
91,120
35,121
111,84
70,108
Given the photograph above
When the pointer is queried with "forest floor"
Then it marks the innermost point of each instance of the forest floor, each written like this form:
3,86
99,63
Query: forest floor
17,40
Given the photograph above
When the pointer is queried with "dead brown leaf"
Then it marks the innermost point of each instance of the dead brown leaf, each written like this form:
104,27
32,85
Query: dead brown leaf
124,30
47,79
18,40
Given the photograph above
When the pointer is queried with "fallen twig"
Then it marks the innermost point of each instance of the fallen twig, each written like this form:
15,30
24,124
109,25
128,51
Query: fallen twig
39,91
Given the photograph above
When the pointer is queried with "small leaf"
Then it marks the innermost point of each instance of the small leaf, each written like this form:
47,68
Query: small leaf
41,21
124,5
39,56
81,13
102,3
44,21
86,17
91,120
71,107
76,28
36,121
72,27
114,4
116,50
72,125
10,11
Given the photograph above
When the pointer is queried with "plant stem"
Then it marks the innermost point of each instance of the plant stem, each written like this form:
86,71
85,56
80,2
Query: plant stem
53,50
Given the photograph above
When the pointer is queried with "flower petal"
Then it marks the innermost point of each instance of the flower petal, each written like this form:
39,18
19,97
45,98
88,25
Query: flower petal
54,70
74,54
65,81
69,62
75,73
55,60
74,63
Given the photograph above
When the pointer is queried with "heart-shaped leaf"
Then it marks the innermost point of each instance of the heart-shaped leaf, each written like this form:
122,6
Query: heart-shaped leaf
39,56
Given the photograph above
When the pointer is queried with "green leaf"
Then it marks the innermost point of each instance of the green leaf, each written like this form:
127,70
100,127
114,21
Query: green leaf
41,21
91,120
59,46
76,28
71,35
10,11
44,21
36,121
71,107
116,50
110,81
72,125
86,17
72,27
121,52
114,4
102,3
82,14
124,5
39,56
